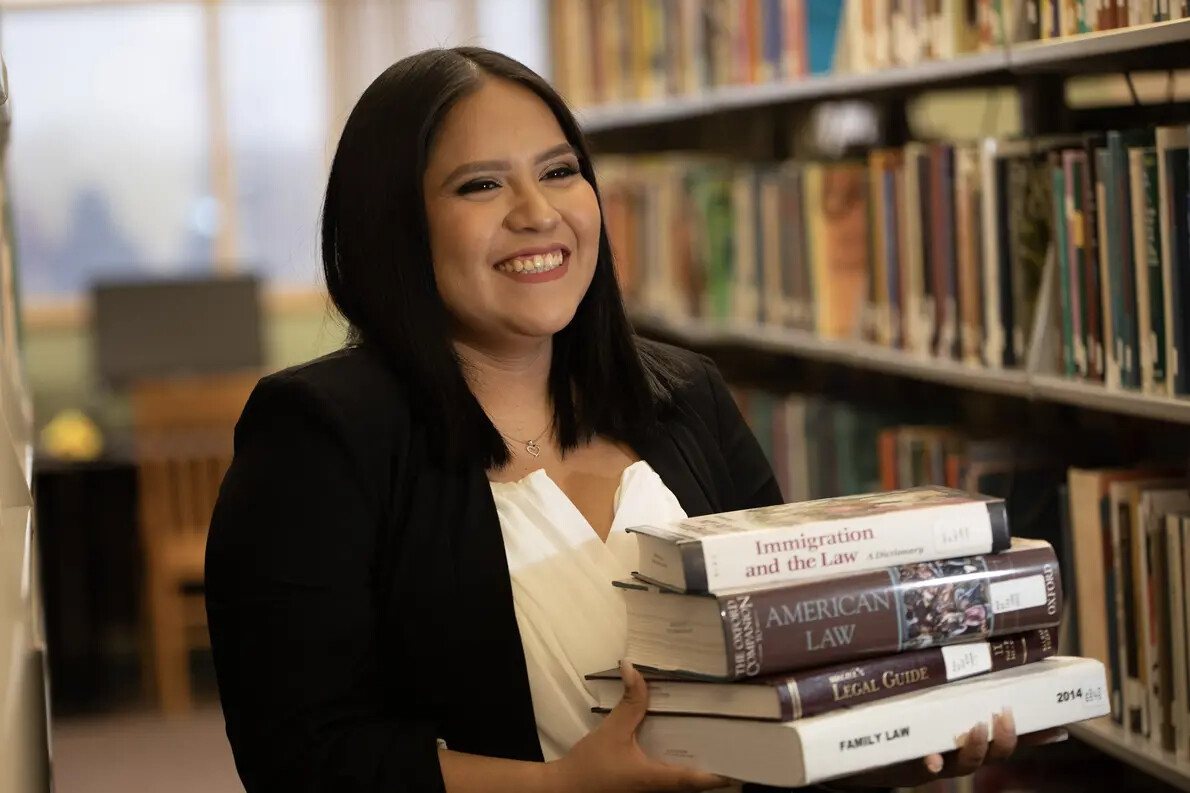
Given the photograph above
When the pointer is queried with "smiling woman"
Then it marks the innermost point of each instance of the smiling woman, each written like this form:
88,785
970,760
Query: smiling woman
445,501
503,228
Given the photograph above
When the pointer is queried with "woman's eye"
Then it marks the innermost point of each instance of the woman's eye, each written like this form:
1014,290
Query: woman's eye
561,172
478,185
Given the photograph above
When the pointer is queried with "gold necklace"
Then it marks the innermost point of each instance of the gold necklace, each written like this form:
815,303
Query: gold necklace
530,446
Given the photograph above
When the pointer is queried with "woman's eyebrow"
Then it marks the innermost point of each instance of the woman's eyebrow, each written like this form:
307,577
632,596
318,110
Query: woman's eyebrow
480,166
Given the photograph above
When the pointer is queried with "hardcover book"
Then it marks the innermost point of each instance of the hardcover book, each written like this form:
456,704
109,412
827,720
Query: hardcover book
1050,693
750,632
821,690
809,539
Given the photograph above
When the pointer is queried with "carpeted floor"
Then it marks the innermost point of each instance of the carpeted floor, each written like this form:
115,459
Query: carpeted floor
144,753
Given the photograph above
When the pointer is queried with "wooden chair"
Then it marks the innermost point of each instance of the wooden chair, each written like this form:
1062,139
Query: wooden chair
183,432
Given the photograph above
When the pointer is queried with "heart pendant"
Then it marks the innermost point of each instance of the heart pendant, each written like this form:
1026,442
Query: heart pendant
532,448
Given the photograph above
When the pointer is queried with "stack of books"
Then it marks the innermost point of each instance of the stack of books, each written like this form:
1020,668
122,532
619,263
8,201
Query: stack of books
795,644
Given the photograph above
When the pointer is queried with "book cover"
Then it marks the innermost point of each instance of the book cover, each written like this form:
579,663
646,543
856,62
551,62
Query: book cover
1050,693
755,631
801,540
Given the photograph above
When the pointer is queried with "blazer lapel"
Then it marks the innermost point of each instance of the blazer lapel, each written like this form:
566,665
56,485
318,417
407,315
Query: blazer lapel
676,457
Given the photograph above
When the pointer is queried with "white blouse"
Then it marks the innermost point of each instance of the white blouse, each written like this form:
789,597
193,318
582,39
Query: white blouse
571,618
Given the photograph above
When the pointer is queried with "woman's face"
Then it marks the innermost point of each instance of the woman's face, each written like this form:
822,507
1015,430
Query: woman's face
514,226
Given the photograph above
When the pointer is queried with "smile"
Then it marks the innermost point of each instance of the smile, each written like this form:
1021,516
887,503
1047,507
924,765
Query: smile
539,263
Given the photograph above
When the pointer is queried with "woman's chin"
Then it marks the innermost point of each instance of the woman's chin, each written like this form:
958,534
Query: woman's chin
542,325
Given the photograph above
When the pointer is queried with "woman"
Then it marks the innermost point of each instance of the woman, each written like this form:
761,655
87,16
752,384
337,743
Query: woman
408,570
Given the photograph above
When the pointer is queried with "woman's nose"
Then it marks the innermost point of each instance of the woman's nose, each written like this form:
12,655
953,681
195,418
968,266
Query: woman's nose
532,211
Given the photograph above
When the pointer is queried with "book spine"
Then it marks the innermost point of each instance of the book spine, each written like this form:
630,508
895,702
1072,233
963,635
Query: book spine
1091,286
1061,243
1179,184
1156,295
869,542
912,606
848,685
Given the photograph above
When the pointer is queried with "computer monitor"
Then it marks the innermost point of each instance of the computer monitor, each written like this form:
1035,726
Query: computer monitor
186,326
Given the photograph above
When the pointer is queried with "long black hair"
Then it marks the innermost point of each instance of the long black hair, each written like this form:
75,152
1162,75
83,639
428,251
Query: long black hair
379,272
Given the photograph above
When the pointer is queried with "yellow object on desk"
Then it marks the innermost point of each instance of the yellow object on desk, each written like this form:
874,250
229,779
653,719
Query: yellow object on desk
71,435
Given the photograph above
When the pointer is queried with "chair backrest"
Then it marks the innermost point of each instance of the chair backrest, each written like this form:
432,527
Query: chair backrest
183,438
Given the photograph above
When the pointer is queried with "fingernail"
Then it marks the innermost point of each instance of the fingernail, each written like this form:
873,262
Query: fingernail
1008,720
934,763
1061,736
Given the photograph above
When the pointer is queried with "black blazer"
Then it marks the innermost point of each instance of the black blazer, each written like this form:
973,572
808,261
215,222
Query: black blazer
358,594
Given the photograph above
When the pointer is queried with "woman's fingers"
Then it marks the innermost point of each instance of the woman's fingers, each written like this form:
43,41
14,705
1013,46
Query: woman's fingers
668,777
628,714
1004,738
973,748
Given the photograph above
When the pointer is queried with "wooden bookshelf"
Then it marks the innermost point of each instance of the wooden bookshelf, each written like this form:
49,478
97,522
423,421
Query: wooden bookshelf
1111,739
871,357
1089,51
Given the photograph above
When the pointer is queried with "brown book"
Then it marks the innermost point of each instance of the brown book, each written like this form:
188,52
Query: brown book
821,690
744,633
837,207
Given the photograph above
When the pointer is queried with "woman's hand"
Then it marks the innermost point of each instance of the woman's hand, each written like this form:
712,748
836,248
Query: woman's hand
973,751
609,760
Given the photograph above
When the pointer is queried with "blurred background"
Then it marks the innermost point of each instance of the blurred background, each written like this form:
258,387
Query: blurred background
164,167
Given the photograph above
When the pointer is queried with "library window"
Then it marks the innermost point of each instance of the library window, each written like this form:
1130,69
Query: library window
109,156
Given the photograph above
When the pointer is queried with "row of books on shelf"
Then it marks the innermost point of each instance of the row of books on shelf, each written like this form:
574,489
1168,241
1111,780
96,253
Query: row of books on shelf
1130,531
608,51
1122,535
887,33
793,644
938,249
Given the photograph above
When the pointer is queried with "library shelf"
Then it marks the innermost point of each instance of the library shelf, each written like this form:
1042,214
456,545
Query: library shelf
1111,739
863,355
1075,50
735,97
1098,397
1055,55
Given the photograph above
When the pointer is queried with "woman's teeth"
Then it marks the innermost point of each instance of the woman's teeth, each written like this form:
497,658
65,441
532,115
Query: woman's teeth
541,263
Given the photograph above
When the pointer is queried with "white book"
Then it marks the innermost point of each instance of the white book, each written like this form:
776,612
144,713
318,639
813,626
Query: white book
1043,695
810,539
